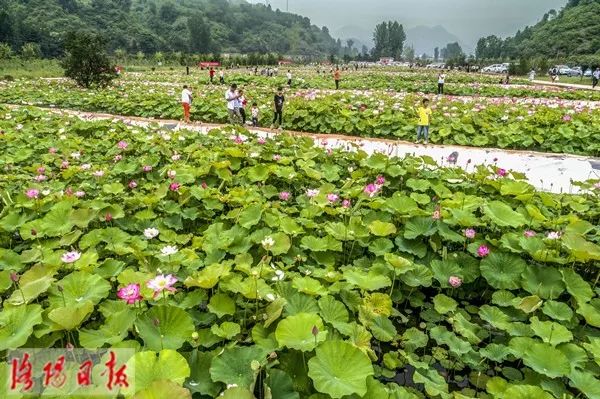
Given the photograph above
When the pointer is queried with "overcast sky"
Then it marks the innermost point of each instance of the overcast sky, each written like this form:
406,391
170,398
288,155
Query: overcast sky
468,19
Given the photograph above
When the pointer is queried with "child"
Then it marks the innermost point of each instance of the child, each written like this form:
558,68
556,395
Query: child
289,78
255,113
423,126
278,101
241,106
186,102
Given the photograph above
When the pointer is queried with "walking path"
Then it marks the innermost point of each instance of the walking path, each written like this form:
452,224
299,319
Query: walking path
567,85
546,171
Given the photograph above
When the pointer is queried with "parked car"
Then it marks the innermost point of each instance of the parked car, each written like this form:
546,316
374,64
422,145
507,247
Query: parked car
576,71
496,68
565,70
587,73
436,66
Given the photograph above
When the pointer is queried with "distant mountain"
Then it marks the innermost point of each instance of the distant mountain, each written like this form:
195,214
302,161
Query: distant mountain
426,38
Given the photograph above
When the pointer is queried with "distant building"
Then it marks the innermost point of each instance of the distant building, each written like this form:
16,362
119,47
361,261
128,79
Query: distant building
386,60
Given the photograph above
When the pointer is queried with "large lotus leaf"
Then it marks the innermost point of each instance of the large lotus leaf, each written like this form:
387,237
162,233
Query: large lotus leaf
382,328
221,305
586,382
550,332
418,276
236,393
282,244
557,310
340,369
545,282
163,389
444,337
529,304
435,384
526,392
332,310
382,229
119,318
503,270
226,330
309,285
250,215
296,332
281,385
371,281
544,358
577,286
165,327
418,227
33,282
166,365
209,276
16,324
444,304
199,380
444,269
414,338
590,312
502,214
274,310
580,248
234,366
300,303
71,317
77,288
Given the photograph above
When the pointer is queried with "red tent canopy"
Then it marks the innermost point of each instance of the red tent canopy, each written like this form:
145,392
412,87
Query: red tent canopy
209,64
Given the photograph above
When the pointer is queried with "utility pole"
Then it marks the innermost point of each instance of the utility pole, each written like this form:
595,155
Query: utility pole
287,5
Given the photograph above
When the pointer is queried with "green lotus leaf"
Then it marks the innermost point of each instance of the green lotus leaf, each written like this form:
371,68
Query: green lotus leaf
414,338
33,282
274,311
443,270
382,229
418,276
382,328
577,286
234,366
165,327
163,389
586,383
590,312
545,359
166,365
16,324
463,326
444,304
250,215
526,392
381,246
300,303
199,380
495,352
502,214
434,383
545,282
119,318
296,332
281,385
332,310
444,337
221,305
398,263
580,248
528,304
502,270
550,332
226,330
309,285
113,188
418,227
557,310
236,393
71,317
78,287
578,357
339,369
282,244
371,281
503,298
209,276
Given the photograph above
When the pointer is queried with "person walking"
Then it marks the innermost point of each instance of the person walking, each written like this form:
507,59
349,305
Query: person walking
424,119
221,77
337,77
255,114
231,96
532,75
186,102
241,106
289,78
441,82
211,74
278,102
595,78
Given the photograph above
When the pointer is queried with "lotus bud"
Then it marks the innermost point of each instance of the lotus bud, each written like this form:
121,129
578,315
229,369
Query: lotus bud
195,336
156,322
315,331
60,288
15,277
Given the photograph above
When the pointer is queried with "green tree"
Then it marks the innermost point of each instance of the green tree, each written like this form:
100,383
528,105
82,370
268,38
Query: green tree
389,39
436,54
199,30
409,54
86,60
31,51
5,51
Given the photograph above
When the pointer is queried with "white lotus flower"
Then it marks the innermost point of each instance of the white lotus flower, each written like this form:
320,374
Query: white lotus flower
151,232
168,250
268,242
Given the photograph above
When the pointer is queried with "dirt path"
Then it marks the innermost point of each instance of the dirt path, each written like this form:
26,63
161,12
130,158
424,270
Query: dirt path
546,171
567,85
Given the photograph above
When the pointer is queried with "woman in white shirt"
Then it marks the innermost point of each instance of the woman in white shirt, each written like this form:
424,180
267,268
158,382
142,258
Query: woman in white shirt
186,102
441,81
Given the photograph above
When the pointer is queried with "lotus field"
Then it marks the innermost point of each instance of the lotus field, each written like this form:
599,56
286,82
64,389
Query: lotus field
243,265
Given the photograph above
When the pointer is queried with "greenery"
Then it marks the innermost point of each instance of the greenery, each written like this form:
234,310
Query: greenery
389,40
391,278
572,34
86,61
193,26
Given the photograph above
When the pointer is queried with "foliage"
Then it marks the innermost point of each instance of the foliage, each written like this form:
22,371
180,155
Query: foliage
30,51
86,61
261,281
5,51
389,40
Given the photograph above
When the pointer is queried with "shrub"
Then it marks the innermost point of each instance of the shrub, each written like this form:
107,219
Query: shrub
86,60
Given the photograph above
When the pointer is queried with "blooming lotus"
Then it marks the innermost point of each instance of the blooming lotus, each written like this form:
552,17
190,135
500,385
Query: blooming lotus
261,140
130,293
147,168
553,235
174,186
168,250
284,195
333,197
86,166
171,174
64,164
80,194
151,232
52,150
41,170
118,157
122,144
175,157
483,251
380,180
32,193
70,257
371,190
268,242
470,233
346,203
455,281
98,173
312,193
162,283
501,172
40,178
276,157
132,184
529,233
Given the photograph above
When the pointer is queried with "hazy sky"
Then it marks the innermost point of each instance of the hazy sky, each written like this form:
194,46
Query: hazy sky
468,19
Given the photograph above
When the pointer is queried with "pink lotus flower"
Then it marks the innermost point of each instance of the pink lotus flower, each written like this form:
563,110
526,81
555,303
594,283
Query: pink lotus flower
32,193
171,174
276,157
437,215
52,150
501,172
567,118
346,203
122,144
64,165
333,198
284,196
41,177
162,283
455,281
554,235
380,180
174,186
204,185
470,233
80,194
41,170
176,157
130,293
132,184
483,251
261,140
312,193
70,257
68,191
371,190
108,217
529,233
118,157
98,173
147,168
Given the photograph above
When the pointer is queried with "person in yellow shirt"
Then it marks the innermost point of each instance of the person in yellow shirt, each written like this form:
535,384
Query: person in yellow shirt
424,119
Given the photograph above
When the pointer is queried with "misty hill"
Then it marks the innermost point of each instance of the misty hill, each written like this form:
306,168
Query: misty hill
425,38
198,26
572,32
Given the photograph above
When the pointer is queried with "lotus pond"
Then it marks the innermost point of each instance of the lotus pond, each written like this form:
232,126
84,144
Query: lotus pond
249,267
